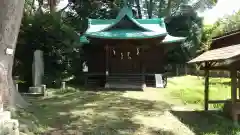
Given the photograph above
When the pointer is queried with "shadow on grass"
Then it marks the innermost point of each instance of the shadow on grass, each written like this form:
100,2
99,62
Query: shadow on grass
160,132
111,89
92,88
203,123
92,113
220,81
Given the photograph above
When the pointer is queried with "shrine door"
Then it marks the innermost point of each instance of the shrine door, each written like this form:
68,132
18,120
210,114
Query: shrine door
124,59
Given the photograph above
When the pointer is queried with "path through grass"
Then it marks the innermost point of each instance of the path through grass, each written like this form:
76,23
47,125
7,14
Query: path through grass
149,112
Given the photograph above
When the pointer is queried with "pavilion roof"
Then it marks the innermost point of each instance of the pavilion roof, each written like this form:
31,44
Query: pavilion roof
224,53
114,29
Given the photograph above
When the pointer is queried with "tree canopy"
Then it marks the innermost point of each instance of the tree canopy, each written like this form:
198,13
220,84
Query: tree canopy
57,31
227,24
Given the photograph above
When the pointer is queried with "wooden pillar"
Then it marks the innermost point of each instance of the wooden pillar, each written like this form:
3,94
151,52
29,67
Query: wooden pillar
233,75
107,62
206,89
142,66
238,82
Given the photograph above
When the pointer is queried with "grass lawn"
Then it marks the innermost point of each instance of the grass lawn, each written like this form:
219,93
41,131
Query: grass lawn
149,112
190,90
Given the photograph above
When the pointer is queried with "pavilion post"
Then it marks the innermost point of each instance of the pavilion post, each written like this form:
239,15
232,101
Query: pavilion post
233,75
238,82
206,89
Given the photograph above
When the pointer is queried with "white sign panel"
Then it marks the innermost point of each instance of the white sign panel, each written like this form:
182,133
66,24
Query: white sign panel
9,51
159,80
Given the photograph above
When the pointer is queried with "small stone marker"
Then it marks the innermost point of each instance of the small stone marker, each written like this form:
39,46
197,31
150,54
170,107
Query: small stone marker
35,90
16,85
43,89
1,107
63,85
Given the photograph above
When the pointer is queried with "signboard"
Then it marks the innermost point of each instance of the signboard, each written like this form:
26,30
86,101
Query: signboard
159,80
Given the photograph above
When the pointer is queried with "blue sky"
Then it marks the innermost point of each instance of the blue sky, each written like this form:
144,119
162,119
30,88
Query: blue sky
222,8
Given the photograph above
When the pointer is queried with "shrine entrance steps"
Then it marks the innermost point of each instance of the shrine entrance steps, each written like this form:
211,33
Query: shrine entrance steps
125,82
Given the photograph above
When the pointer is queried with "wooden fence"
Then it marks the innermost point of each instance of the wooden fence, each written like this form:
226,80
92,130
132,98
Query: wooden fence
184,69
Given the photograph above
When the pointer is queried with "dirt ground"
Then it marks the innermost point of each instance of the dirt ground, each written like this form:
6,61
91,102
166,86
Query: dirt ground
146,112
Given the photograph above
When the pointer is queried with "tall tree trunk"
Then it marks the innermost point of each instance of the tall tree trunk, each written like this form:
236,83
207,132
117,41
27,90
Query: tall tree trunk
149,5
169,8
139,9
150,9
160,7
11,12
52,5
33,7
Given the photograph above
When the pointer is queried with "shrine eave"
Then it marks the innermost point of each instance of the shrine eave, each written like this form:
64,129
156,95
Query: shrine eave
125,34
167,40
172,39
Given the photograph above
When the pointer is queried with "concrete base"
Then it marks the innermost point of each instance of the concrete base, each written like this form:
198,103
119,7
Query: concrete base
125,86
107,86
1,107
11,127
36,90
8,126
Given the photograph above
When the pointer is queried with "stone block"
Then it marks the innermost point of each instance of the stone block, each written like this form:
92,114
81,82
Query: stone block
36,90
5,115
10,127
1,107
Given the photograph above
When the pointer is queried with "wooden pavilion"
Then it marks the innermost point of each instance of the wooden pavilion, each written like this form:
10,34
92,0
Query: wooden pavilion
227,39
224,58
126,52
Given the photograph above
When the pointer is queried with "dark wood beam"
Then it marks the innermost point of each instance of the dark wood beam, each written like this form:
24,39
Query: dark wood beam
238,83
219,101
233,75
215,68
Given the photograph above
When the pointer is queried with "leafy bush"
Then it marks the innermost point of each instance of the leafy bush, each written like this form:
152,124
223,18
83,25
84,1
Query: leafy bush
56,39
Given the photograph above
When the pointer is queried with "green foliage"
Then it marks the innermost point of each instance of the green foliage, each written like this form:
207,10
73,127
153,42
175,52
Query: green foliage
227,24
186,23
207,36
57,40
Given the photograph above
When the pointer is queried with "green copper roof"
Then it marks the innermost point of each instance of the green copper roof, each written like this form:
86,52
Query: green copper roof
172,39
125,34
167,39
126,27
84,40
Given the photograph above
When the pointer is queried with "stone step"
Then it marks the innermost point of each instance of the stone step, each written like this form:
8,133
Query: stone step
1,107
5,115
10,127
